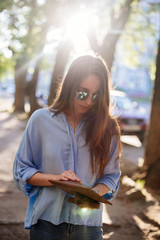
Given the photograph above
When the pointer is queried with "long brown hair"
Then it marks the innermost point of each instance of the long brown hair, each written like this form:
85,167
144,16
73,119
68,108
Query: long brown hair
100,126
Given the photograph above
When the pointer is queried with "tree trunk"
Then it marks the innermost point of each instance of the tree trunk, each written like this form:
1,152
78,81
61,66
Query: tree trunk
20,84
107,49
61,60
152,148
31,89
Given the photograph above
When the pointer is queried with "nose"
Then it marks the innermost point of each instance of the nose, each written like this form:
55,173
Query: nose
89,101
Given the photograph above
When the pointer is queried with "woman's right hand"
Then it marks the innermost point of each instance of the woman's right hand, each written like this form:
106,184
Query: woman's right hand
41,179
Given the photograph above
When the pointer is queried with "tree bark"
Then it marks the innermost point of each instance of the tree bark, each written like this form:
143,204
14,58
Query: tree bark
31,89
59,67
32,85
152,148
107,49
20,84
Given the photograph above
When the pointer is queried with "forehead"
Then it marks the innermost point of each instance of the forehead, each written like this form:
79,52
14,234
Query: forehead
91,83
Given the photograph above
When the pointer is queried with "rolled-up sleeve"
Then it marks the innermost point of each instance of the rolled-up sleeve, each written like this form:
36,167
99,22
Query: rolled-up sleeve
27,159
112,170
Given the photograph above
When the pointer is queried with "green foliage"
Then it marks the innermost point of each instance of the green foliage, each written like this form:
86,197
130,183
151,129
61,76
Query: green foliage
45,64
5,4
138,43
26,25
152,70
5,65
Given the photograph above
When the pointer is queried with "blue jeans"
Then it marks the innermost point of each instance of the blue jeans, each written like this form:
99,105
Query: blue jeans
44,230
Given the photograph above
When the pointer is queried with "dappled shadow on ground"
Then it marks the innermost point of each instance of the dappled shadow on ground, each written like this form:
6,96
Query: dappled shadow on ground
12,212
12,202
13,232
121,232
11,129
134,215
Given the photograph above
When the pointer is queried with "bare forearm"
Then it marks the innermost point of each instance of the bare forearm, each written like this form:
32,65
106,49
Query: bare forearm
102,189
42,179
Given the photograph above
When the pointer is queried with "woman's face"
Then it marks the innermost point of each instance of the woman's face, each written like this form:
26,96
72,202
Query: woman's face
86,94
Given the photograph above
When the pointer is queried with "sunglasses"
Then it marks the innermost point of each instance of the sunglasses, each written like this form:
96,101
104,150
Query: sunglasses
82,95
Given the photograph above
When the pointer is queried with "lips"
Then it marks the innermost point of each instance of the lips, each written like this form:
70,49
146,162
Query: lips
84,108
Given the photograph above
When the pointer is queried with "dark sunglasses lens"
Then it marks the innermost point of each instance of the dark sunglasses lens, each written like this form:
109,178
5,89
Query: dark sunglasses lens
82,95
94,97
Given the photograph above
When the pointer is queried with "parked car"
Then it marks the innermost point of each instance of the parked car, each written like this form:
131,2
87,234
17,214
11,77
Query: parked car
132,118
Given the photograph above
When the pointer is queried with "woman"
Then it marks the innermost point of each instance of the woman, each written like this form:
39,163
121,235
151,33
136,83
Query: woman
75,139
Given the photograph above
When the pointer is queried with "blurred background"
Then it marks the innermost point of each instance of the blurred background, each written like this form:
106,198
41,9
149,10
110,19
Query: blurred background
38,41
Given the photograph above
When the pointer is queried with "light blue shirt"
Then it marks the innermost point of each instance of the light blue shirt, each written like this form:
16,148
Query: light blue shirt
49,145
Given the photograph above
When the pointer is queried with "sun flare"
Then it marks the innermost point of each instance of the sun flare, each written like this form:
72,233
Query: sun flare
77,28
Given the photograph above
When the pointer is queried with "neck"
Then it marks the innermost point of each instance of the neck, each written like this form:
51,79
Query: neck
74,118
